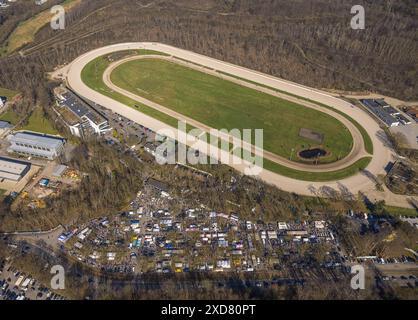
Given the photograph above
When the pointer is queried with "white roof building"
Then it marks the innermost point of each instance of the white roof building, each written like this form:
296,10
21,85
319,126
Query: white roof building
4,125
282,226
13,170
36,145
319,224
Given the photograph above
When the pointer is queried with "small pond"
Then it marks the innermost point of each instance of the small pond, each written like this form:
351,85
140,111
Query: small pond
312,153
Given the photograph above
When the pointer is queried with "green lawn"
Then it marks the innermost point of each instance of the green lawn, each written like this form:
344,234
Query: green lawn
38,123
395,211
223,104
368,144
10,116
315,176
92,77
26,30
7,93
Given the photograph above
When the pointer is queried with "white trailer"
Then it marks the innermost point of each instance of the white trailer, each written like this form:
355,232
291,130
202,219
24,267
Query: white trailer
26,283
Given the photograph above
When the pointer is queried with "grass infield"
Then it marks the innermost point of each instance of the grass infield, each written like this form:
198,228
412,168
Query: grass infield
222,104
92,76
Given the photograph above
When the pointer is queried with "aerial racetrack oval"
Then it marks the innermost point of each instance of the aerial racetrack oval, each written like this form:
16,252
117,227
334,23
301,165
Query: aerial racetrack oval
209,101
156,84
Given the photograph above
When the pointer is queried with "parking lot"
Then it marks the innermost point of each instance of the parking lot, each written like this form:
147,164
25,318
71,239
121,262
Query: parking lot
410,132
134,132
404,275
15,285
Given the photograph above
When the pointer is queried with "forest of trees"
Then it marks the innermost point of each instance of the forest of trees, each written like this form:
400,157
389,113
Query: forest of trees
309,42
18,12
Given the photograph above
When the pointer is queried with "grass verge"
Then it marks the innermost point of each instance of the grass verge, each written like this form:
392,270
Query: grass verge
9,94
10,116
318,176
38,123
26,30
396,211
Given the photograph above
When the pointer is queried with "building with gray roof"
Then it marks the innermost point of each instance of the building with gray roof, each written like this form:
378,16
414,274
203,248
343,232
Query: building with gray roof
14,170
384,113
4,125
36,145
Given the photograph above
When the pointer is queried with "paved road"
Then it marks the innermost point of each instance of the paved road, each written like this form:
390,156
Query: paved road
50,237
359,182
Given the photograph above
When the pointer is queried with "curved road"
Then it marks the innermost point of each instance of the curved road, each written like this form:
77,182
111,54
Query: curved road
358,183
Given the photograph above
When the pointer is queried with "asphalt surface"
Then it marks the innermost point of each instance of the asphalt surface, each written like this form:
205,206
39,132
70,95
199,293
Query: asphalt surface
383,154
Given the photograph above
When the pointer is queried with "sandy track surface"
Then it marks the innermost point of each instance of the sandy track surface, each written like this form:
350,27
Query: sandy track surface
363,182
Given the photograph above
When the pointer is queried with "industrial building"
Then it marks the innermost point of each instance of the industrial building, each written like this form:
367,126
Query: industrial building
4,126
13,170
383,111
36,145
81,118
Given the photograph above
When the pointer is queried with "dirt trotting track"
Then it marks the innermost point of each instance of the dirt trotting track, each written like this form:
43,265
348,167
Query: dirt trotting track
357,152
359,182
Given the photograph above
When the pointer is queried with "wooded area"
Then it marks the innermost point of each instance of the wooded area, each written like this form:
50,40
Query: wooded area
309,42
